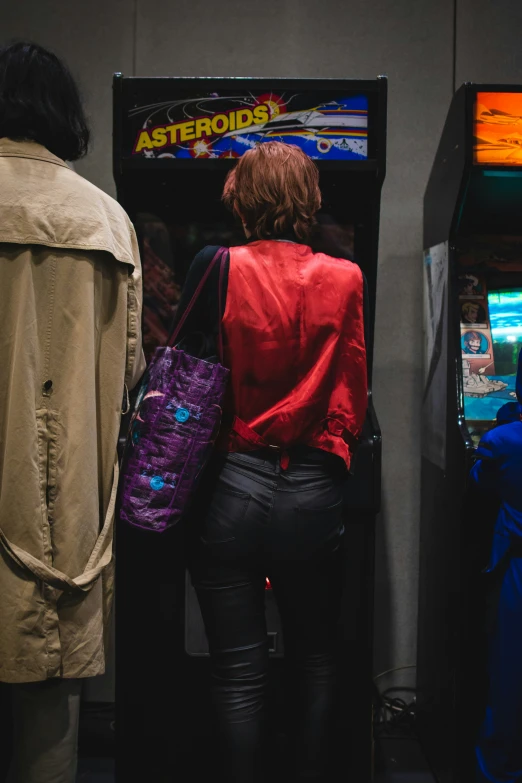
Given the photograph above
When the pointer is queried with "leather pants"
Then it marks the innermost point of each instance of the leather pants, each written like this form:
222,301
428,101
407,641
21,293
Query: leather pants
262,521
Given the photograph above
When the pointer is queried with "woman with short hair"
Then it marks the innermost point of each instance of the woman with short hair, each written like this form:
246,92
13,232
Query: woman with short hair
293,329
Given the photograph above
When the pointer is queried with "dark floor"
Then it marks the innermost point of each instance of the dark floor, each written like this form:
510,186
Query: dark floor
401,760
96,771
396,760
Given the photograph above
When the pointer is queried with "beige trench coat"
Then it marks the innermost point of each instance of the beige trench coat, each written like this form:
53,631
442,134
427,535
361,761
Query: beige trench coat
70,337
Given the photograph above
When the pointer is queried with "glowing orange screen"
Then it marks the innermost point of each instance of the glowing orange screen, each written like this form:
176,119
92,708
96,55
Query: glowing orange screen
498,128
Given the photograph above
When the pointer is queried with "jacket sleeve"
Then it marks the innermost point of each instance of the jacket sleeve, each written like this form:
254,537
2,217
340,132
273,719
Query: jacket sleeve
484,472
359,370
135,364
349,400
366,311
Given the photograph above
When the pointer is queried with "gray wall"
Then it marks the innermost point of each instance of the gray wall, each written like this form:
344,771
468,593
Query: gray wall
414,44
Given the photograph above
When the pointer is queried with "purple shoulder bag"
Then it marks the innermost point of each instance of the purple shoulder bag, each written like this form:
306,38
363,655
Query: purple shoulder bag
173,429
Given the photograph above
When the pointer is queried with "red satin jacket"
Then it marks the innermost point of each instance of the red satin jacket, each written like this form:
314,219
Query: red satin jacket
294,343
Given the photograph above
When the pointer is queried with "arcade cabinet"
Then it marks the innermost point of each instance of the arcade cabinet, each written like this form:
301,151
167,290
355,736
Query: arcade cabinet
473,334
174,141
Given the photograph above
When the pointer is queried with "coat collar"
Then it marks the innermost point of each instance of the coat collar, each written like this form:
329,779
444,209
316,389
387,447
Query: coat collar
28,149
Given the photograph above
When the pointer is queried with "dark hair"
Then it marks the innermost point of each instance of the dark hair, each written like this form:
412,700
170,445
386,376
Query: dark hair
39,101
274,188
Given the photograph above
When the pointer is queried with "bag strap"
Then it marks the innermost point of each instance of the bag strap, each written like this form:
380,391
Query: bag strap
221,312
219,257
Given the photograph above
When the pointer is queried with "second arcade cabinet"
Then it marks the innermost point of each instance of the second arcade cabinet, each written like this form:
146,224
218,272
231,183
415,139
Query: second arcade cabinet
473,335
174,141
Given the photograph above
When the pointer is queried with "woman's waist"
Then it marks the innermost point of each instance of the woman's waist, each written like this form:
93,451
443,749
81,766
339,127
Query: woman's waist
297,459
306,448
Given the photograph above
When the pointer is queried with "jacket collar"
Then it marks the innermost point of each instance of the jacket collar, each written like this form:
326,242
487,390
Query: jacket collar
28,149
288,236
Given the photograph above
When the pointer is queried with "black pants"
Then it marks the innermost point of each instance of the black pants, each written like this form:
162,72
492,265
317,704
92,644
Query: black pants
263,522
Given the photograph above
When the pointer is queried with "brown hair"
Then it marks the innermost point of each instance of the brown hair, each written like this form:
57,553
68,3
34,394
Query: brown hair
274,189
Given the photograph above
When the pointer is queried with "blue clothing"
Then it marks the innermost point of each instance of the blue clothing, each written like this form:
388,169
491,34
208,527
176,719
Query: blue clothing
499,747
499,469
511,411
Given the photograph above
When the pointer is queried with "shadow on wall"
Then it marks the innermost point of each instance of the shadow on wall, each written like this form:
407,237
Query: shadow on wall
394,657
397,384
384,639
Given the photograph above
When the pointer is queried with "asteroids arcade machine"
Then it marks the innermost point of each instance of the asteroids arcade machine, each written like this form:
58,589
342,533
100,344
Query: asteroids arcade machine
174,141
473,334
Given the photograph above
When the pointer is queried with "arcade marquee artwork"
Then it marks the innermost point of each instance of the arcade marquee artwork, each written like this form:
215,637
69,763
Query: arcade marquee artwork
498,128
226,126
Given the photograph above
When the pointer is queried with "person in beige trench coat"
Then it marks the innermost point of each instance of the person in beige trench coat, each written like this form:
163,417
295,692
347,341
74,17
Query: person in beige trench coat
70,349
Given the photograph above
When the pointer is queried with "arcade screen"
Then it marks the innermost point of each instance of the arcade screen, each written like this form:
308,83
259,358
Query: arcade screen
491,339
498,129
